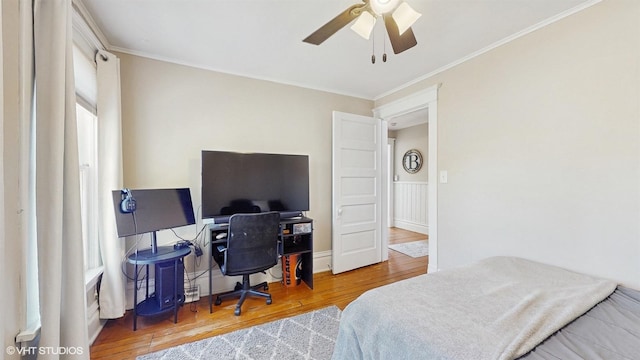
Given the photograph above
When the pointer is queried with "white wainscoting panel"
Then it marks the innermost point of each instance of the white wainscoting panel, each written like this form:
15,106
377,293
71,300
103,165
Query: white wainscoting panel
410,206
94,323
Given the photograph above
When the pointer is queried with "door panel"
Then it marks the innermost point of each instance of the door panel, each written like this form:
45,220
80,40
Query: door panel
356,214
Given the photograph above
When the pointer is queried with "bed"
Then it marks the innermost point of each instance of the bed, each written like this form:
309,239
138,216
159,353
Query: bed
497,308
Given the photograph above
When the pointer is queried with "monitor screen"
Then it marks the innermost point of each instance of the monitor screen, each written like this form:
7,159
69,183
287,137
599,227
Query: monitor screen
235,182
156,209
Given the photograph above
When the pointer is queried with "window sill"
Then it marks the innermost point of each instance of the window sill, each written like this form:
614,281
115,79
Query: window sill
28,335
92,276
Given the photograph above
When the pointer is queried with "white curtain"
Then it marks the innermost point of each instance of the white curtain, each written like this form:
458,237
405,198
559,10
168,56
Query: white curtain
3,261
112,287
59,237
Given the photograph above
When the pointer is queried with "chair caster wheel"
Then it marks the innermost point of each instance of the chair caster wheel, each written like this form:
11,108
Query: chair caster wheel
268,301
237,312
218,301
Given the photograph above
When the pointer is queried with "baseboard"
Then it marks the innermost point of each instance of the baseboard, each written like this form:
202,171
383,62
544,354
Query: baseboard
406,225
321,261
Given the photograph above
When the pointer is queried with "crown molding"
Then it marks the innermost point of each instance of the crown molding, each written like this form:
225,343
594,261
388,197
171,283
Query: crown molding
86,29
496,44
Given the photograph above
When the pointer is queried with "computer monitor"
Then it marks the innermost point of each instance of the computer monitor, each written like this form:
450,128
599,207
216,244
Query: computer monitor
155,209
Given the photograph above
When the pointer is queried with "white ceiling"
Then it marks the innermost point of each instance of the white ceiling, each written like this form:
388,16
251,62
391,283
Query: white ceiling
263,38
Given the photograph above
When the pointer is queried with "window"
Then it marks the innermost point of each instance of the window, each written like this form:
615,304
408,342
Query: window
86,91
87,148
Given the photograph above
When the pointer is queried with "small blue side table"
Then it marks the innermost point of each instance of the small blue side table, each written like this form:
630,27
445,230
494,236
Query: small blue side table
149,306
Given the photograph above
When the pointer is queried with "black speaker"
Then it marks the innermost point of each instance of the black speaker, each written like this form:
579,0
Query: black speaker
164,283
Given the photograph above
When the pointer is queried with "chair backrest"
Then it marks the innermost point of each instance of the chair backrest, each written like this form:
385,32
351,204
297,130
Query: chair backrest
252,243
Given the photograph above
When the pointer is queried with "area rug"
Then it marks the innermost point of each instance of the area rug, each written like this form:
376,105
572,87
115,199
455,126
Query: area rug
307,336
415,249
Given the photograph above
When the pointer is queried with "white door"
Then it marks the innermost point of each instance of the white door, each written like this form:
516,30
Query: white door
356,192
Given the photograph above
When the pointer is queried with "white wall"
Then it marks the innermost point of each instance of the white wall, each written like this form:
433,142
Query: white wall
541,141
170,113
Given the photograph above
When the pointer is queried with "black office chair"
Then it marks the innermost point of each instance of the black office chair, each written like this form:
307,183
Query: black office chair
252,247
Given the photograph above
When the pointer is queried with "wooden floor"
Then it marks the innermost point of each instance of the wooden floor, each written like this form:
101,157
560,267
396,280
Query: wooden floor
118,341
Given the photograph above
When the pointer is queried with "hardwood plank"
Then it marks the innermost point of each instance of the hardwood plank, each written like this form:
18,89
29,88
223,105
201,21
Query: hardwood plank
118,340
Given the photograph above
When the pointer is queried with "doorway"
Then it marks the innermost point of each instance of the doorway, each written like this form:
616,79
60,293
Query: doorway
425,100
407,190
408,173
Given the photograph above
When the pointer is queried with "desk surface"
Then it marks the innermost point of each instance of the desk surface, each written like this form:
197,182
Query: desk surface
165,253
293,220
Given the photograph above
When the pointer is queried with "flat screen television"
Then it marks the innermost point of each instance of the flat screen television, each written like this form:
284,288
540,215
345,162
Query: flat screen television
234,182
156,209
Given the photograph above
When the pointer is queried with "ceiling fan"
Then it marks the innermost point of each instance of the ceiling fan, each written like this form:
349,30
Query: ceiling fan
398,17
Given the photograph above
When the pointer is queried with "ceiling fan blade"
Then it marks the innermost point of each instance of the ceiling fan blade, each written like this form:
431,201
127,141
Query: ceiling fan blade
399,42
337,23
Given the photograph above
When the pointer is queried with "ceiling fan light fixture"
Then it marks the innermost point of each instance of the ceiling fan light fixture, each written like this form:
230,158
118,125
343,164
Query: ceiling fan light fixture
405,16
364,24
364,16
381,7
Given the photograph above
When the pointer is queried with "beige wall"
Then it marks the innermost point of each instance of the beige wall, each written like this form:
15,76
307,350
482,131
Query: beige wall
170,113
541,141
415,137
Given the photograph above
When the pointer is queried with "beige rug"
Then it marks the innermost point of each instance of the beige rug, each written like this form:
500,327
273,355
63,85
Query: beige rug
415,249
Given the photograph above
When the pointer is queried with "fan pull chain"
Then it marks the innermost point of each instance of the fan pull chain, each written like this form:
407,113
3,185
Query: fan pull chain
384,50
373,47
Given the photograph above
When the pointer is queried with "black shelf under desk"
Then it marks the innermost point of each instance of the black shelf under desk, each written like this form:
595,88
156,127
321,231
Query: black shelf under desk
295,238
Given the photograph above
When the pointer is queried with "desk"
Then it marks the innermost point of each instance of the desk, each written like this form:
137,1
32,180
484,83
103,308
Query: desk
150,305
295,237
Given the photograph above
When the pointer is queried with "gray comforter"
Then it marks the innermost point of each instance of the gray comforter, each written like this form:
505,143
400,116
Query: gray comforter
498,308
609,331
